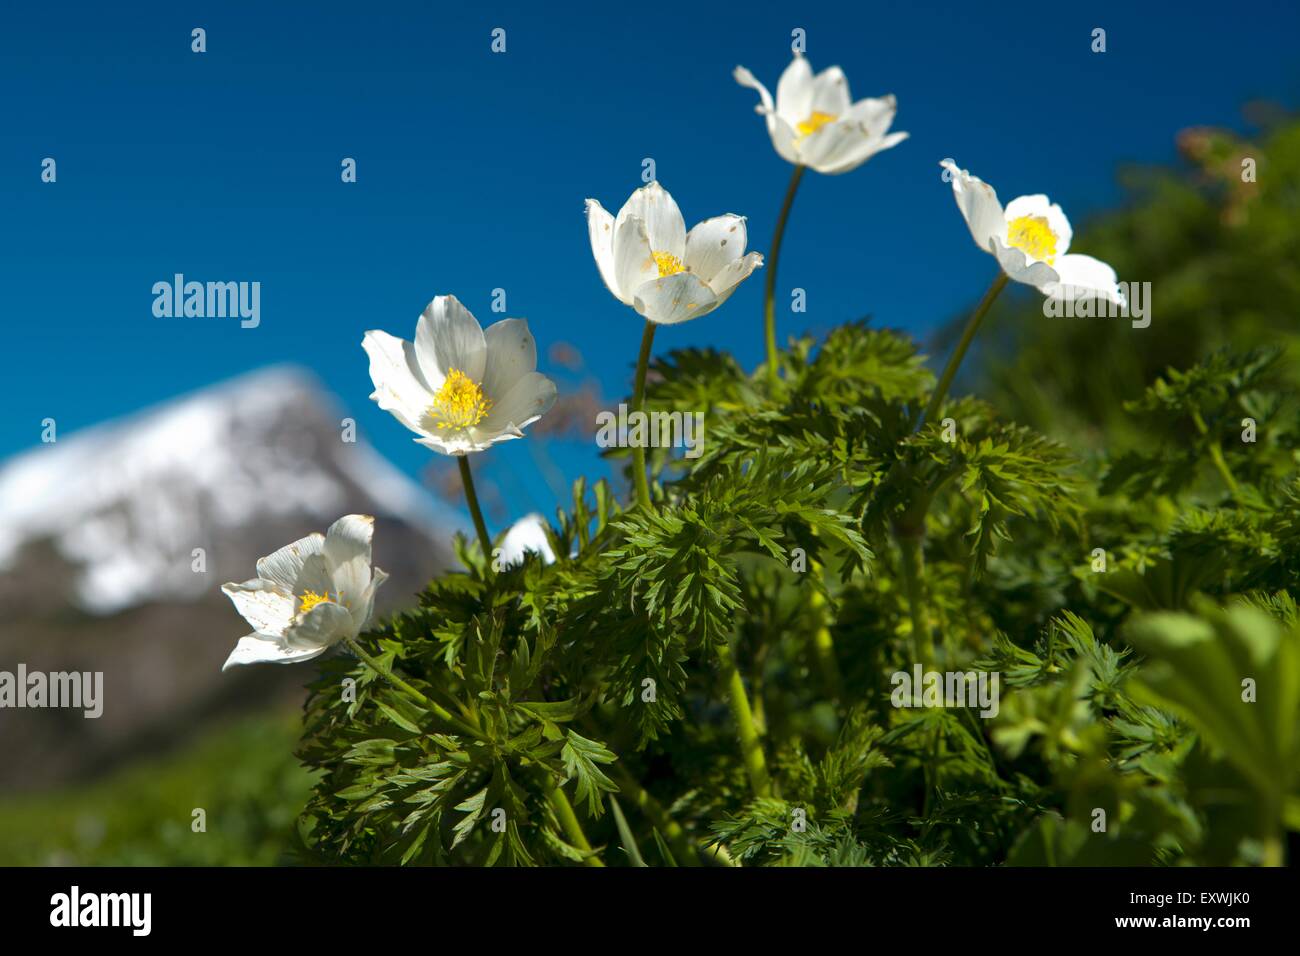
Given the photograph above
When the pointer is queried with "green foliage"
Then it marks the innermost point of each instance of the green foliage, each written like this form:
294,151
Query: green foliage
1251,725
1220,255
242,775
1102,536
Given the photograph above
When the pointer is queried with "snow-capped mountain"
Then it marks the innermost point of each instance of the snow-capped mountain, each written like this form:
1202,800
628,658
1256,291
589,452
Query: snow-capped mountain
127,503
100,572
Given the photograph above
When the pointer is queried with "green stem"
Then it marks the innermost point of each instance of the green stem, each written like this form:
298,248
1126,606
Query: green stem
568,819
910,527
824,644
959,353
909,548
756,677
471,499
1273,854
774,254
751,748
672,831
638,403
442,713
1216,454
559,802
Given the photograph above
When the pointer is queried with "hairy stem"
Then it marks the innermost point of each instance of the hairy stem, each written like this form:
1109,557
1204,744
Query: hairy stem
751,747
910,528
471,499
967,337
638,402
774,254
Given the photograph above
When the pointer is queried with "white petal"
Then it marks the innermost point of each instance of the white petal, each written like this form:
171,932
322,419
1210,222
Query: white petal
526,535
323,626
1082,277
979,206
784,140
457,444
731,275
853,156
781,132
714,243
255,649
892,139
362,609
511,354
1020,268
794,92
399,384
831,92
267,606
1060,225
827,147
746,78
527,400
600,228
664,226
347,551
675,298
877,114
315,575
857,136
449,337
284,566
633,263
1038,206
1035,205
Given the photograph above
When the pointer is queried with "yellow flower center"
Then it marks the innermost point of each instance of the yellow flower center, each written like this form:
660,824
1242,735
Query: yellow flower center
310,599
1034,236
815,122
460,403
669,264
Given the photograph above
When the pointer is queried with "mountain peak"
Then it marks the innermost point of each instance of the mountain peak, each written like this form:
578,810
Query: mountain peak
127,502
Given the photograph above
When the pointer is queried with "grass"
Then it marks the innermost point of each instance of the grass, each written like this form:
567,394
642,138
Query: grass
242,775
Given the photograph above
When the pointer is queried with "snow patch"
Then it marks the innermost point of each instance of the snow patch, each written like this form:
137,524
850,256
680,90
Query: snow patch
129,500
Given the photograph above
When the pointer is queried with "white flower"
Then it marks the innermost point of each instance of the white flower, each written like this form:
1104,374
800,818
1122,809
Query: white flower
650,262
1029,239
526,534
459,388
815,122
308,596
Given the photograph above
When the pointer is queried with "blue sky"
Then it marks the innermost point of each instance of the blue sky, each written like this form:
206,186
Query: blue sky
473,168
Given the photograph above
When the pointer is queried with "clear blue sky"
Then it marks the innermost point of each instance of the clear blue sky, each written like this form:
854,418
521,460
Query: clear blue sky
473,168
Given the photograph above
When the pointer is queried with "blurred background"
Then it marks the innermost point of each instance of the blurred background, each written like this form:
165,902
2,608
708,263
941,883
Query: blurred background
472,167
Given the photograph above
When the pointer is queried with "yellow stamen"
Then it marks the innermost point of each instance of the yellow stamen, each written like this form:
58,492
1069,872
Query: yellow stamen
310,599
815,122
669,264
459,404
1034,236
